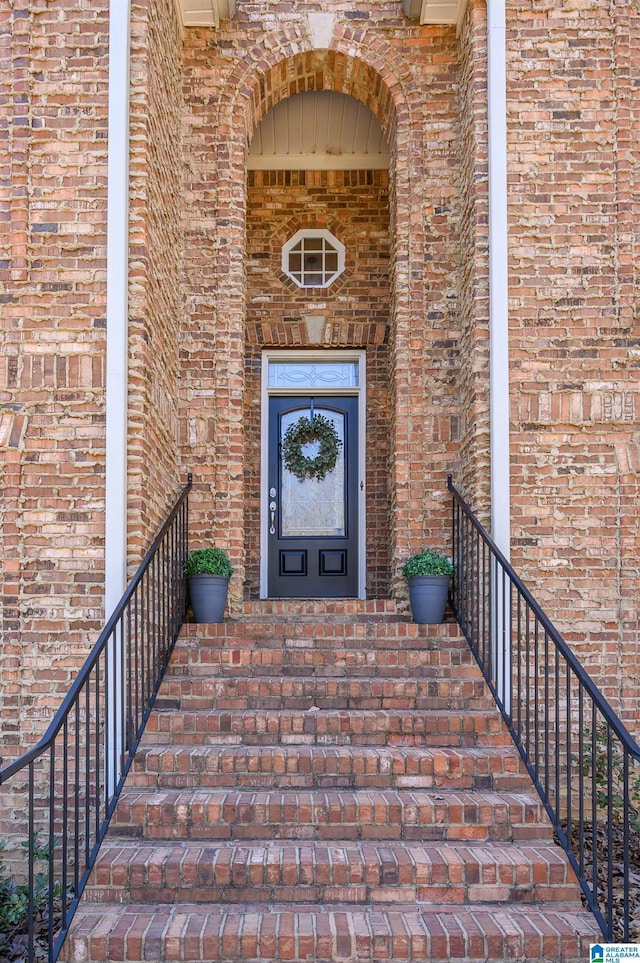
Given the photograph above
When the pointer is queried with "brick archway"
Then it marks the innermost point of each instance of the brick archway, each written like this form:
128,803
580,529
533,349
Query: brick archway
374,72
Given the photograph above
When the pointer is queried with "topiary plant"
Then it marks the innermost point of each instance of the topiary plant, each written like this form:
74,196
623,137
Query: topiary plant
208,561
427,563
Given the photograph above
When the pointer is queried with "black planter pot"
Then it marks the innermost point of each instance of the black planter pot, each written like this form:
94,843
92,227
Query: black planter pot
208,596
428,597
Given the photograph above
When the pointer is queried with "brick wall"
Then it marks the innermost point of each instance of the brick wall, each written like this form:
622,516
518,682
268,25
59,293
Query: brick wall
53,69
472,346
155,292
574,325
54,76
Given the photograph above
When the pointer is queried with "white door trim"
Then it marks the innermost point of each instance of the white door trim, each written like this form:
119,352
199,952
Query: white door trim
360,392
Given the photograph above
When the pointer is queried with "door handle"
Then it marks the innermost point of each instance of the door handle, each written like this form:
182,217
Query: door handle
272,509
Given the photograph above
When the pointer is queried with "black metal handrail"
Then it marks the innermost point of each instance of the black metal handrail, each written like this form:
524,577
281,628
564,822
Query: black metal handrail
579,754
62,793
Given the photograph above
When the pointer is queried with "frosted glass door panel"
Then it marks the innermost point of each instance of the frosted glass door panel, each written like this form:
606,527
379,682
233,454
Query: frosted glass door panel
310,506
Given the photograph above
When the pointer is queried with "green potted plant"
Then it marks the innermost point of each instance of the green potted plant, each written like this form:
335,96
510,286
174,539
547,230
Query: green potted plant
427,575
208,571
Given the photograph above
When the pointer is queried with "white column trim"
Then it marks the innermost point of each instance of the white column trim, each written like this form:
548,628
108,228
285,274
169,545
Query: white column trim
115,549
498,277
499,341
117,304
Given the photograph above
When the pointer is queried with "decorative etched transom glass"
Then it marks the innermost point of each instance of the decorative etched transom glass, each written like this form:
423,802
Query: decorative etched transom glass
313,259
313,374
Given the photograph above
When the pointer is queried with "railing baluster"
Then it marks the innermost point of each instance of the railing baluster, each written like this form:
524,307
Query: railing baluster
487,607
594,805
30,872
536,699
519,663
546,720
569,743
65,796
76,803
87,772
581,782
625,841
51,840
527,676
610,813
143,638
556,722
136,662
98,716
153,625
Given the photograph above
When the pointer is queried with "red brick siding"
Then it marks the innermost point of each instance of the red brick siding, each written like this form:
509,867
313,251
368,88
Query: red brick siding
155,294
573,291
54,74
53,69
473,471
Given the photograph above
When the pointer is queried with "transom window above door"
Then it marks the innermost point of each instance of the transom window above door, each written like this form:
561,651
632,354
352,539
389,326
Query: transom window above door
313,374
313,258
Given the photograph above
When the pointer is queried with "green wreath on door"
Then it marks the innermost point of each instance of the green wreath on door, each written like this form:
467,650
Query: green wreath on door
304,432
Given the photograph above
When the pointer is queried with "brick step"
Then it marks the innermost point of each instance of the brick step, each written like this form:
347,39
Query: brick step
331,872
352,610
324,767
327,727
361,660
302,692
324,634
220,814
329,933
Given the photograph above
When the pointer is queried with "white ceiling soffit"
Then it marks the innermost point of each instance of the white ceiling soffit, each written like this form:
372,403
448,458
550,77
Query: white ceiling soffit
435,11
205,13
319,130
209,13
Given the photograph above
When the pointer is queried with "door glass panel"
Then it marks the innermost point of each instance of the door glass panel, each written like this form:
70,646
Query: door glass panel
311,506
313,374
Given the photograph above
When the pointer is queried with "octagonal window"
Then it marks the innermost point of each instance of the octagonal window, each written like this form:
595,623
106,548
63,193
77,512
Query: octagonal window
313,259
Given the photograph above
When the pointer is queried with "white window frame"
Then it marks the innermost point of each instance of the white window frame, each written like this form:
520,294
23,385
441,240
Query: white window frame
313,235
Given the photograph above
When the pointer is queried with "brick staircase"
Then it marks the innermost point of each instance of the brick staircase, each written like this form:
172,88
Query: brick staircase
328,783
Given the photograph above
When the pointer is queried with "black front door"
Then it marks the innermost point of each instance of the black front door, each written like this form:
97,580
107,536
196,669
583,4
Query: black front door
313,523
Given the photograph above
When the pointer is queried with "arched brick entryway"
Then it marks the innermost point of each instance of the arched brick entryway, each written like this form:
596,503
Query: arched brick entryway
223,337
